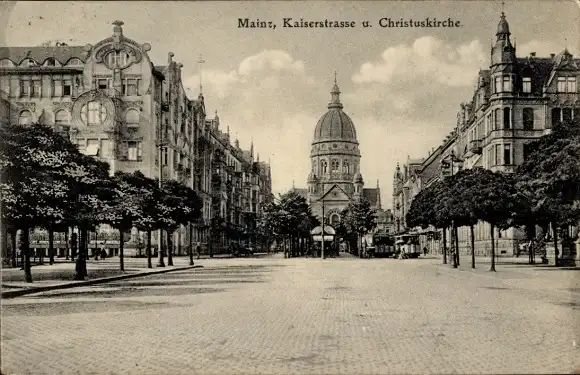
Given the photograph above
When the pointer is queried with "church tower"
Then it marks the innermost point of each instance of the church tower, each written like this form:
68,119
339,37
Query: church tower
335,177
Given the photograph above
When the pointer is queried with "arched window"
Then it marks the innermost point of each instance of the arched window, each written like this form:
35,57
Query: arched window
93,113
132,117
507,118
345,166
25,118
61,117
27,63
74,62
335,165
323,166
118,59
6,63
50,62
334,220
528,118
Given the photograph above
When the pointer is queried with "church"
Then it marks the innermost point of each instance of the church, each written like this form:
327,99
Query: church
335,178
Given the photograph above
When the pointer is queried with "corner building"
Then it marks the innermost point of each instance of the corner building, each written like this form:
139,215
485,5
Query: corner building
515,102
116,105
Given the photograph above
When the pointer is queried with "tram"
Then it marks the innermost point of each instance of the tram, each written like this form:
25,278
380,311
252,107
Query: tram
408,243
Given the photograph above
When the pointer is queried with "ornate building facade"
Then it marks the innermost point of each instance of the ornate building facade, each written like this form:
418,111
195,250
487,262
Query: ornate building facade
516,101
335,177
116,105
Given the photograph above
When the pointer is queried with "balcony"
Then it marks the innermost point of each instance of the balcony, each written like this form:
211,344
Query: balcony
475,147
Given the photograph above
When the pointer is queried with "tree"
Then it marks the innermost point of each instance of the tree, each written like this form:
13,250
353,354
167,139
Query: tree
36,166
149,218
178,206
495,200
549,179
124,209
359,218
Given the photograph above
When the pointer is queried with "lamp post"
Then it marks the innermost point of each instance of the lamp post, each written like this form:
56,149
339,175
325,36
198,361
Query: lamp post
322,248
160,262
453,230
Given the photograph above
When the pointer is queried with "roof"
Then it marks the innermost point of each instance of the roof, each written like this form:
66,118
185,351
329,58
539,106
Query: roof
39,54
538,69
335,125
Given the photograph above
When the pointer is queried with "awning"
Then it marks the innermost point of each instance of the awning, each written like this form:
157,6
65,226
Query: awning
327,230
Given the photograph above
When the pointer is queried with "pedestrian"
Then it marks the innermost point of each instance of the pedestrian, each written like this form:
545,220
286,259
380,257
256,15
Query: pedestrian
424,251
198,250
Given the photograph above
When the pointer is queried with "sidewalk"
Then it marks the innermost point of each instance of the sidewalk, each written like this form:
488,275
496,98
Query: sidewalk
515,272
61,274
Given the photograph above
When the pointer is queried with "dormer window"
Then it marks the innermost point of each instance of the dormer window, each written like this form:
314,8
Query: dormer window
50,62
74,62
6,63
561,84
527,85
27,63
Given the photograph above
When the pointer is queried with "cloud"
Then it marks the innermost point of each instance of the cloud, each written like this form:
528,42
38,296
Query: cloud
427,60
541,48
272,59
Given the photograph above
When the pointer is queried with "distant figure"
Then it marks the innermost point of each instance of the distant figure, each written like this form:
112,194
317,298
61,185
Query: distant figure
424,251
198,250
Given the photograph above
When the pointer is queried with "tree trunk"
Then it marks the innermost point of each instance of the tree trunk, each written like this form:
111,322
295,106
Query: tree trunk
169,248
453,244
191,244
81,263
13,243
66,247
121,245
74,245
51,246
148,249
472,246
556,251
457,246
25,249
492,268
160,261
445,245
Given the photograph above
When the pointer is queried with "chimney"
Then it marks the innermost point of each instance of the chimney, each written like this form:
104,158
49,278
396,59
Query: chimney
532,54
552,55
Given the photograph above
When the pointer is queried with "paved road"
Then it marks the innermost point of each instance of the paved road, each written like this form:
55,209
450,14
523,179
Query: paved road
300,316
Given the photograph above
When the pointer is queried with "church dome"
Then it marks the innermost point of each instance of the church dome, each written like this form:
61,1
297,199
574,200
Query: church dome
335,124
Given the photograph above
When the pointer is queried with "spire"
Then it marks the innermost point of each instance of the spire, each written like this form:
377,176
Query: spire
258,157
293,187
335,96
503,28
200,61
252,148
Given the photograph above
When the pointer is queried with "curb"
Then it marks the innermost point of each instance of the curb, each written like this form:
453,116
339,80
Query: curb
102,280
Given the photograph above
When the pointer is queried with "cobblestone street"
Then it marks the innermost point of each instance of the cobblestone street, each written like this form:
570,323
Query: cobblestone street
302,316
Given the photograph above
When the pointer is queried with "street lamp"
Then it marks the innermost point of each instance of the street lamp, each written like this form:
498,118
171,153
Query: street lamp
453,230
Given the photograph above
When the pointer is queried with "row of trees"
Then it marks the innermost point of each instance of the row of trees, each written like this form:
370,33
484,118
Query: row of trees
288,220
544,191
47,183
356,220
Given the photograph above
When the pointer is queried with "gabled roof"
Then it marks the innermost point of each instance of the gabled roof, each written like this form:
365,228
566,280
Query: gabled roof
39,54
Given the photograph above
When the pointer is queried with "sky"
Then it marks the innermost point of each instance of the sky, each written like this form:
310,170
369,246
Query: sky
402,87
